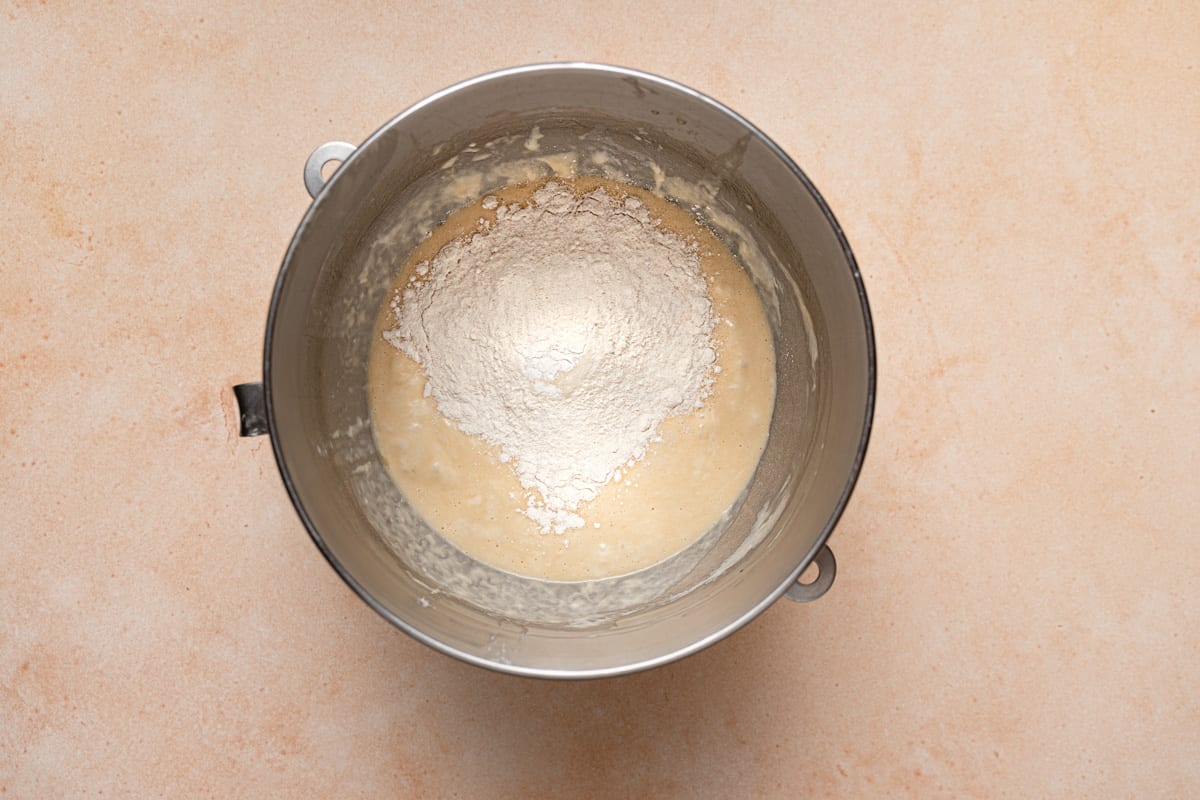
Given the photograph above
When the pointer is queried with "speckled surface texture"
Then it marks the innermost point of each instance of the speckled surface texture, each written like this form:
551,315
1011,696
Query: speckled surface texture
1017,609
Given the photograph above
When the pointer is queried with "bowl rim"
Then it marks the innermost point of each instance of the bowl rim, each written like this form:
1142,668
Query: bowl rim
747,615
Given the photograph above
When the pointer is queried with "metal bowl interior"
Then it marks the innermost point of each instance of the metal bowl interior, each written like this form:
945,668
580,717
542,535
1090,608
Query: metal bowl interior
458,145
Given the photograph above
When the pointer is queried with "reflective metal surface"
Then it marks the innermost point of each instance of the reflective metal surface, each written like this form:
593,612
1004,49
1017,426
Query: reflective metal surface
376,206
826,566
314,181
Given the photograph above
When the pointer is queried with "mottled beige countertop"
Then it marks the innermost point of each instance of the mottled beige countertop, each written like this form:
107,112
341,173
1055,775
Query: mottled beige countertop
1017,608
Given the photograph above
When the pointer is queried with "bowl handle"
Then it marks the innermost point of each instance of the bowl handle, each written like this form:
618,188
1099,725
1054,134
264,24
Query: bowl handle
826,572
330,151
252,409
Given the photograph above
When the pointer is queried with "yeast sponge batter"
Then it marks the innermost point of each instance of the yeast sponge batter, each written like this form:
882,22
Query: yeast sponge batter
573,379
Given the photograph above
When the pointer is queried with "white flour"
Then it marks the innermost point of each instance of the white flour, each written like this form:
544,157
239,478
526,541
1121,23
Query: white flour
564,334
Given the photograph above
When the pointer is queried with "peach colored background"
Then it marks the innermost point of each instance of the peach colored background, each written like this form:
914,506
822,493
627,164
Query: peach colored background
1017,612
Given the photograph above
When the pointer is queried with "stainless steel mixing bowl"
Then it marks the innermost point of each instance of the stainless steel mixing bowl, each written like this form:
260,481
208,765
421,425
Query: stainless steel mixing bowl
525,123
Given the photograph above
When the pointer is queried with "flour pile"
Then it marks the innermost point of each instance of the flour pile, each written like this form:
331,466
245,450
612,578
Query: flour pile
564,334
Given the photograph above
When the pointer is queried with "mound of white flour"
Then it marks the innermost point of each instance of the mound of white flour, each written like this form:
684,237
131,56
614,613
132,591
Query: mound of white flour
564,335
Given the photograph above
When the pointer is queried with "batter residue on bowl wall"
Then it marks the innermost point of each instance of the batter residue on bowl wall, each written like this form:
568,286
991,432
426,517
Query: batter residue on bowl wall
574,381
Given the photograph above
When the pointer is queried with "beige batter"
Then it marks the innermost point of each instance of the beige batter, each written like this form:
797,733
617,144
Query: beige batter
662,504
